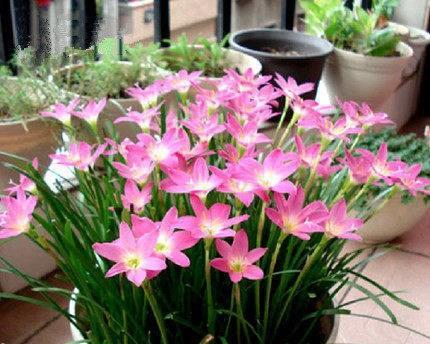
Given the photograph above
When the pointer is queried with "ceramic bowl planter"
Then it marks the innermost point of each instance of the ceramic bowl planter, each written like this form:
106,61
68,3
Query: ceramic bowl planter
329,324
288,53
393,220
370,79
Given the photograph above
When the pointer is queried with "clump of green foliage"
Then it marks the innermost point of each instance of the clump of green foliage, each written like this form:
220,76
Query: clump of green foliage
201,54
23,96
104,71
356,30
409,148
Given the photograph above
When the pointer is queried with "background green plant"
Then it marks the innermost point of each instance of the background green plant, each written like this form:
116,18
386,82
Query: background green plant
210,57
23,96
355,30
102,71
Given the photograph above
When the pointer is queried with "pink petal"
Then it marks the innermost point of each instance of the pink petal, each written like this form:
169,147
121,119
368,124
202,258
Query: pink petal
223,248
200,170
253,272
153,263
285,187
118,268
235,276
197,205
108,250
220,264
240,244
255,254
275,217
136,276
183,240
179,258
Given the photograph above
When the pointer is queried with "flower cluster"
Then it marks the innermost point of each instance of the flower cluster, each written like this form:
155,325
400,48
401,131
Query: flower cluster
201,188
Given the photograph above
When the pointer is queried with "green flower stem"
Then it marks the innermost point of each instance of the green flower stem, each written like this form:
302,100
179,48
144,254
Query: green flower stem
42,242
282,119
211,312
323,145
236,290
393,191
269,282
360,193
287,131
357,139
149,293
258,244
309,262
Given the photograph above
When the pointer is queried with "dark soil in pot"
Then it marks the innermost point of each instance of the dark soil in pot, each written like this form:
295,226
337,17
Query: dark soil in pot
288,53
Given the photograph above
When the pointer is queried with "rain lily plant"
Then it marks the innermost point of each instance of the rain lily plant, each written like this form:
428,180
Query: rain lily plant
203,229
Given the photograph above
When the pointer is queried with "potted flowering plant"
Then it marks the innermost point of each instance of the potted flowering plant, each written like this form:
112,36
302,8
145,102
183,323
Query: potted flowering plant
368,61
205,230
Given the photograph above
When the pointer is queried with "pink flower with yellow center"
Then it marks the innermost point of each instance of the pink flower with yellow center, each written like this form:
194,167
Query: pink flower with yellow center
170,242
237,260
246,135
339,225
182,81
144,119
133,197
136,168
17,215
291,89
62,112
272,174
210,223
91,111
292,217
79,156
133,256
197,181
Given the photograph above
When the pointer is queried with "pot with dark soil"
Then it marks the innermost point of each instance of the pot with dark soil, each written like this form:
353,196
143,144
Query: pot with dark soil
288,53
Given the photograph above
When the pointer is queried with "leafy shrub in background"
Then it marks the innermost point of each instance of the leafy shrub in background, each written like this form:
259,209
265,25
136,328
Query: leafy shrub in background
354,30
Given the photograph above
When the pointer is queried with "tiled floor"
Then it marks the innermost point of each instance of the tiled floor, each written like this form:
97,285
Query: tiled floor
406,269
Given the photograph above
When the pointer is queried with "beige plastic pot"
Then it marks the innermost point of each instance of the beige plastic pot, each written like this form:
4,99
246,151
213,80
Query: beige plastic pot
351,76
37,139
393,220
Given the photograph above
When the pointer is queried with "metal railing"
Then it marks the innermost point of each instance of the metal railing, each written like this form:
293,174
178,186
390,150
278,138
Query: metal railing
8,34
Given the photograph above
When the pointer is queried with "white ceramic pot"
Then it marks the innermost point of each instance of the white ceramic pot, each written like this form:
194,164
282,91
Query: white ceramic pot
37,139
418,40
351,76
393,220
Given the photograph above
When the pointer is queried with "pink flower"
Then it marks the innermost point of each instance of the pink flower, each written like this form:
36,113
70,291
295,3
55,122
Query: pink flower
331,131
25,183
182,81
232,155
160,151
91,111
242,83
236,260
310,156
291,89
212,97
136,168
134,257
408,179
16,218
201,123
170,243
246,108
360,168
144,119
79,156
381,167
246,135
242,190
363,115
210,223
135,197
148,96
339,225
197,181
272,173
62,112
295,219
